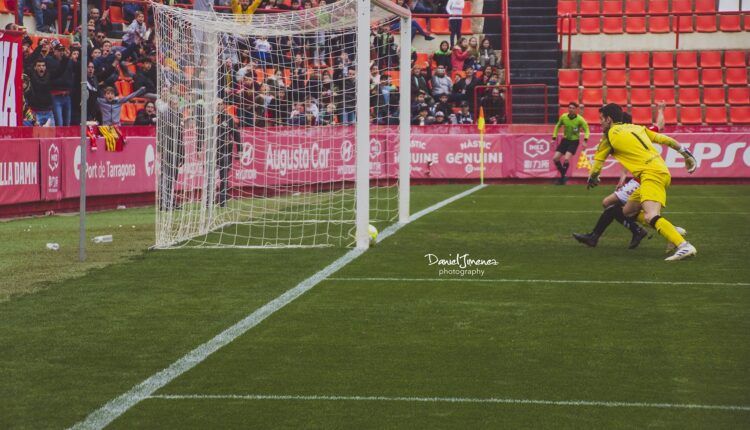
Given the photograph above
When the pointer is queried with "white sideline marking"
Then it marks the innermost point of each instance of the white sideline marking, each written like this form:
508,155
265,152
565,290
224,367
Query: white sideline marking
583,212
540,281
450,400
119,405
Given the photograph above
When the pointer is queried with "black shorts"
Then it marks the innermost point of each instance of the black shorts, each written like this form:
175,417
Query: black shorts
567,146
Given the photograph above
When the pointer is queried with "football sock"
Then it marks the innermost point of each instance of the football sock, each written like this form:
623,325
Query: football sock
559,166
666,229
605,219
628,223
565,168
641,218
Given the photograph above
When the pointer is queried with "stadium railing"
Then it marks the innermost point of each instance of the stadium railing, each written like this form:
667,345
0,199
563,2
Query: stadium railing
480,90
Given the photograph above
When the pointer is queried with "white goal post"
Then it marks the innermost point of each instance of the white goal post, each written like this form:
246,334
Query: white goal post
282,129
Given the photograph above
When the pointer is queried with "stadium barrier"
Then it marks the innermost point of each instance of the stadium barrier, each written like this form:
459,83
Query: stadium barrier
47,169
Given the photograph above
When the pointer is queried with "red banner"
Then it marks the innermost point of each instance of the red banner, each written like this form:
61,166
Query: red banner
11,69
19,171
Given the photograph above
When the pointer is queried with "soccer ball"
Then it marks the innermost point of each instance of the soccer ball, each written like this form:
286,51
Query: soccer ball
373,232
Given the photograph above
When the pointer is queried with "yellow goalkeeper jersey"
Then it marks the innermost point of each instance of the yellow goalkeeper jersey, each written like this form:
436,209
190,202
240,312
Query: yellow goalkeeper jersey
632,146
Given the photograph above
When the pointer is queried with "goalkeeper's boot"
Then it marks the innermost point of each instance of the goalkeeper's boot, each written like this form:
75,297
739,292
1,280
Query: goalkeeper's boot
685,250
638,236
589,239
670,245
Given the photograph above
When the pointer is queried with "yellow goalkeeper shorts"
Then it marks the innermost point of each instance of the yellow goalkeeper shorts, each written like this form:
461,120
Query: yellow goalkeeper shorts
653,188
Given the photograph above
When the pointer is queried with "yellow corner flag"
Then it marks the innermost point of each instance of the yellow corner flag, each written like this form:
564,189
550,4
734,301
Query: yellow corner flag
583,161
480,121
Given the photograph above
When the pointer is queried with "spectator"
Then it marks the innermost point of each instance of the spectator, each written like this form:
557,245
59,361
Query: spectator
327,116
422,117
244,98
130,11
473,59
297,117
443,105
459,55
110,105
147,115
463,89
418,83
442,56
99,39
462,117
244,7
92,83
455,8
35,6
280,108
262,50
101,23
440,118
349,97
494,107
276,81
39,95
441,83
487,55
135,33
145,77
417,104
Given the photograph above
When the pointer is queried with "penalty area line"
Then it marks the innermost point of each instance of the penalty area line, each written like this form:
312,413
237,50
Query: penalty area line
538,281
490,400
110,411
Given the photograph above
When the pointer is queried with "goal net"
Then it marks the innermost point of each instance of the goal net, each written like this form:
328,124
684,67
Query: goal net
281,129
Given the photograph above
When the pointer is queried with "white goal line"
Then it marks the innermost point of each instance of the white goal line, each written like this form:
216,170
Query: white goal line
489,400
538,281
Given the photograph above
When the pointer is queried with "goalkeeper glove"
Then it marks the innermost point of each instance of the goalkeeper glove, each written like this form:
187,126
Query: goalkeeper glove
593,181
690,163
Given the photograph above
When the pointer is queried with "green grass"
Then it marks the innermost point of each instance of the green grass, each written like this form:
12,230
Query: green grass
71,347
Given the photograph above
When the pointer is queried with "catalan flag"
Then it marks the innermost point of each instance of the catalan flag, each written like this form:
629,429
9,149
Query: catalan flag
113,138
583,161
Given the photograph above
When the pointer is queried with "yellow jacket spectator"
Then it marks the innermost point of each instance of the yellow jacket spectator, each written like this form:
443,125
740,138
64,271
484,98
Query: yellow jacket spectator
244,7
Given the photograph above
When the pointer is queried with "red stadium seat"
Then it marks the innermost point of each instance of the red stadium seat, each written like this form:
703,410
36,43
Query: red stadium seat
666,95
729,23
569,77
664,77
683,23
592,97
564,22
689,96
567,6
736,76
734,59
687,60
640,96
612,24
705,5
658,24
640,78
690,115
716,115
738,96
705,23
466,23
124,87
747,21
635,24
687,77
710,59
127,113
439,26
591,114
638,60
712,77
592,78
567,95
617,95
662,60
616,78
615,60
591,60
423,59
642,115
115,15
590,25
740,115
714,96
670,115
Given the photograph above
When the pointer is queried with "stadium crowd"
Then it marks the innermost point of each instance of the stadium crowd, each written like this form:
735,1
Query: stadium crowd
275,81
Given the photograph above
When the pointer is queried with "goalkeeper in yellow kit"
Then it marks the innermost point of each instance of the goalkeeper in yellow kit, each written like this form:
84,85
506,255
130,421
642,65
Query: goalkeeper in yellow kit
632,146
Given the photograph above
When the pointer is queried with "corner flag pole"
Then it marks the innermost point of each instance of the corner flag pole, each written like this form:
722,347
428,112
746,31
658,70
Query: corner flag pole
480,126
84,114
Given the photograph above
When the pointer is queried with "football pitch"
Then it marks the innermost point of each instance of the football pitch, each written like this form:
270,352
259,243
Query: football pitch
556,335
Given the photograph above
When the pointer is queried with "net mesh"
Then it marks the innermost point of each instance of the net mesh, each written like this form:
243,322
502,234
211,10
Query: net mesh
256,143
